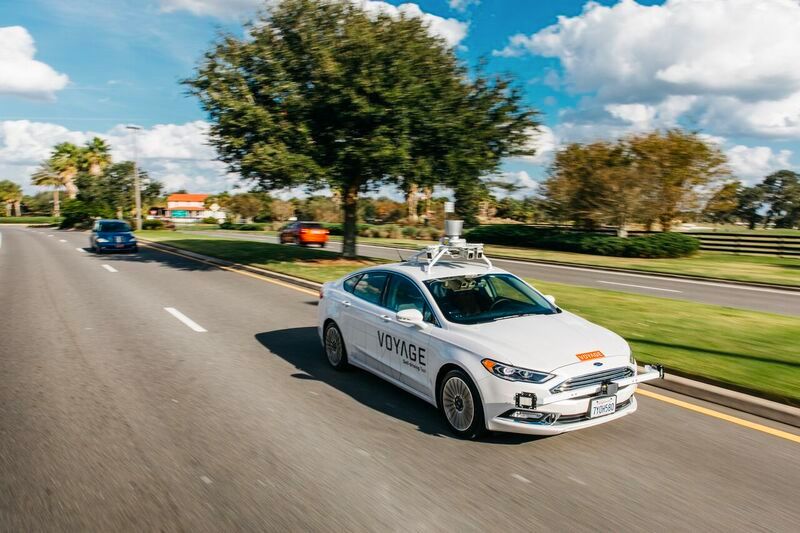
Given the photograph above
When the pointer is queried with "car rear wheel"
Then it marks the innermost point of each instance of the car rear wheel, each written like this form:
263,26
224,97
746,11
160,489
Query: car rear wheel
334,347
461,406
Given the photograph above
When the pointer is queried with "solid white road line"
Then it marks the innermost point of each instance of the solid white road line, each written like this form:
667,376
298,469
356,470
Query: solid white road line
110,268
637,286
185,319
81,250
1,240
62,240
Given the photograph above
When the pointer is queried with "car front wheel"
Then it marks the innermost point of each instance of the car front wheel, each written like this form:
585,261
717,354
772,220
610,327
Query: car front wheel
461,406
334,347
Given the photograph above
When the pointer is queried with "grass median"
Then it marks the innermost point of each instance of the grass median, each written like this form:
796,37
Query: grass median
752,268
746,350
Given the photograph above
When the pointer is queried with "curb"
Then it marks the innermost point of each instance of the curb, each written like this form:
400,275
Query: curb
746,403
739,401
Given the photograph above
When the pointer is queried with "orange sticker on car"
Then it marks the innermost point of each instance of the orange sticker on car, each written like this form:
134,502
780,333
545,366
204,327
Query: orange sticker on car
588,356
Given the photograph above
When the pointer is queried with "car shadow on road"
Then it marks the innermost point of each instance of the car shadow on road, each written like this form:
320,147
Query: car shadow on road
301,348
147,255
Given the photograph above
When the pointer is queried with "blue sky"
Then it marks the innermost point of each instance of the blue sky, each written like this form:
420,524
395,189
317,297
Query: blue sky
727,68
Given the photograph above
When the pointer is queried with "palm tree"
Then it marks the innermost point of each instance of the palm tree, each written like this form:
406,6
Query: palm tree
48,176
11,196
66,159
96,156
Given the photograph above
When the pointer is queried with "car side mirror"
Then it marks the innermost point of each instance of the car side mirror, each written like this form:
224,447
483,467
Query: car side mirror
550,298
412,317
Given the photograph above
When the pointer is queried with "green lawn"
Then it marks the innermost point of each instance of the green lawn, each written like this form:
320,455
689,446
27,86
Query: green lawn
28,220
755,268
745,349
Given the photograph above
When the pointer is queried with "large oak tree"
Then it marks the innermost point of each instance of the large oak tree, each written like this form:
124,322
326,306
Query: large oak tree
321,93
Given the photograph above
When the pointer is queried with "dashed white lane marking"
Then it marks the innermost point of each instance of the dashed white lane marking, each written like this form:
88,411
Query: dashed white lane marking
637,286
185,319
81,250
62,240
206,480
1,240
110,268
50,235
520,478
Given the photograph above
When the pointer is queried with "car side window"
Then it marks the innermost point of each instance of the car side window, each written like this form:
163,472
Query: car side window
370,287
350,283
403,294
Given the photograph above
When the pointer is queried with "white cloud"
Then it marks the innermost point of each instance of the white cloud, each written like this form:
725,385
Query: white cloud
222,9
462,5
451,30
730,59
524,183
545,142
20,73
178,155
752,163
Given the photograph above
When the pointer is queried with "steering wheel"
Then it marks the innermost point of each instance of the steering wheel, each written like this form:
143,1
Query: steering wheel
498,302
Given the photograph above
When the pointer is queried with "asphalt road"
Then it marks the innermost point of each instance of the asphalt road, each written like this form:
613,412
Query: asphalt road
117,415
727,294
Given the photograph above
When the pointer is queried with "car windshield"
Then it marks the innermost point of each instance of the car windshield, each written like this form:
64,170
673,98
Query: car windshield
478,299
114,226
312,225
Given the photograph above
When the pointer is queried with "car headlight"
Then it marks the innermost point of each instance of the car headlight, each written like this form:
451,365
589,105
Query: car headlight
513,373
102,239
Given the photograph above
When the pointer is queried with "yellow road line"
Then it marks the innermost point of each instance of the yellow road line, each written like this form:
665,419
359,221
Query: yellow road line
242,272
722,416
686,405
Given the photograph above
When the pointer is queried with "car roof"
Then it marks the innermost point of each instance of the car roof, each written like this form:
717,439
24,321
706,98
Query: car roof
442,269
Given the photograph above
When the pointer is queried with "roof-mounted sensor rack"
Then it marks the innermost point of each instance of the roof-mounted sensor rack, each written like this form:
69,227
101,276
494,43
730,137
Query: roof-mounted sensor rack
451,246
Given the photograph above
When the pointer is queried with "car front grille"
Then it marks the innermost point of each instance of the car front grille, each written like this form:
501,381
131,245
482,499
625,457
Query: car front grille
593,379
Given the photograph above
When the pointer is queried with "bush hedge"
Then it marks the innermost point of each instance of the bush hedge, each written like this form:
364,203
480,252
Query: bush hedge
242,227
153,224
659,245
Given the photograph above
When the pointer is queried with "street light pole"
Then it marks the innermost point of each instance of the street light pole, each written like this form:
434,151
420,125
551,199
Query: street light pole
136,185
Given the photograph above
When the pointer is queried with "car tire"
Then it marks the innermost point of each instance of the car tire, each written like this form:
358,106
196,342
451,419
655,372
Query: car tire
335,350
136,249
460,405
322,244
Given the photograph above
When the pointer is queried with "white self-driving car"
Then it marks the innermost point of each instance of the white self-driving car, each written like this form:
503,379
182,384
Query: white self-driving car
479,343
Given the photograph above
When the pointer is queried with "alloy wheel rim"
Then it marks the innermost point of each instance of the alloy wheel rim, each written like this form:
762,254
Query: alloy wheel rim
459,407
333,346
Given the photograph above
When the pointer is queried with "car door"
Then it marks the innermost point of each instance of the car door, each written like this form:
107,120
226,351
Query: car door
407,348
366,316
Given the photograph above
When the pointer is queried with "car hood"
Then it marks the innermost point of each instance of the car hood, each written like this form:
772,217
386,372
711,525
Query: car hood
541,342
110,234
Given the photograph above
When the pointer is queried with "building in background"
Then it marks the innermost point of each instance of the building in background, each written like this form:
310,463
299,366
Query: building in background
190,208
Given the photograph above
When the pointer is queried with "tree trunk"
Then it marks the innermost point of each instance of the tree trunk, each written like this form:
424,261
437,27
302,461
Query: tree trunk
427,194
411,203
56,204
350,216
17,208
666,223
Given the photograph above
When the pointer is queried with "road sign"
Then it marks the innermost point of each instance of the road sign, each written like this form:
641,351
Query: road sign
180,214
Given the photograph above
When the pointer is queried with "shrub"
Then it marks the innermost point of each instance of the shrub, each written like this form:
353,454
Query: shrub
250,227
394,232
435,233
410,232
153,224
210,220
661,245
227,225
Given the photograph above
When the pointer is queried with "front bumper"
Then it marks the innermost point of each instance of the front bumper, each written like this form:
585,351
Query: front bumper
557,413
111,246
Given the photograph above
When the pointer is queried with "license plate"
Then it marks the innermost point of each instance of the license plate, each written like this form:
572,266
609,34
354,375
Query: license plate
120,246
602,406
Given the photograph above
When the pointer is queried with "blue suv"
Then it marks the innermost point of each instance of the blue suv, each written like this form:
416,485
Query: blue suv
112,235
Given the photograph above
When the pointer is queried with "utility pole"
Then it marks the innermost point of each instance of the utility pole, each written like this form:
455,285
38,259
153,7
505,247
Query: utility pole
136,185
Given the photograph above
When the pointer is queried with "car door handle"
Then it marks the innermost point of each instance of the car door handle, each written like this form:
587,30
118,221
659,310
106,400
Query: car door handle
386,318
346,303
